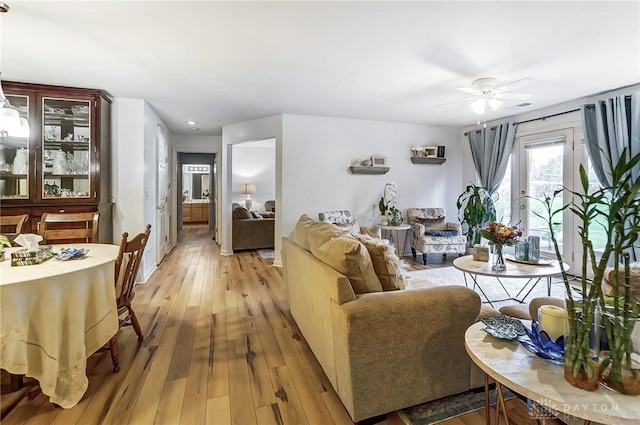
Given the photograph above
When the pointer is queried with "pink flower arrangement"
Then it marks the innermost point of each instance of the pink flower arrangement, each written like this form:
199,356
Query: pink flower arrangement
501,234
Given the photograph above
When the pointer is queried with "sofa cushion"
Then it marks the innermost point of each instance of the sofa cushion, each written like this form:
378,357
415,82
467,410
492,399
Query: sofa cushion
387,265
431,232
301,231
241,213
349,257
320,233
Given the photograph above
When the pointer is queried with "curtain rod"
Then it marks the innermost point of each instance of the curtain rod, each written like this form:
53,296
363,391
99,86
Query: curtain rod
537,119
628,96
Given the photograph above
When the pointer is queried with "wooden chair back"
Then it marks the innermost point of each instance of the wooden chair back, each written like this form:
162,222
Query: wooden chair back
69,227
127,265
11,225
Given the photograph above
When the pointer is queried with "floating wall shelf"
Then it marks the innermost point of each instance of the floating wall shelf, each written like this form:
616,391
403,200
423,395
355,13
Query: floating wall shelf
368,170
427,160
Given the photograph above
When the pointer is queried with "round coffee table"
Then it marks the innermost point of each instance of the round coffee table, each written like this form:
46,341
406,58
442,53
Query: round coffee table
542,382
532,272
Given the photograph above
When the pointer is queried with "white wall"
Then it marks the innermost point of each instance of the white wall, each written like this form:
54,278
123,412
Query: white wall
317,152
134,165
127,165
254,164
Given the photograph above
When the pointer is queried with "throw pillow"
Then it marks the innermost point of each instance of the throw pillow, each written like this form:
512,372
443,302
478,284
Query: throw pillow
320,232
301,231
374,232
428,223
349,257
241,213
430,232
388,267
255,214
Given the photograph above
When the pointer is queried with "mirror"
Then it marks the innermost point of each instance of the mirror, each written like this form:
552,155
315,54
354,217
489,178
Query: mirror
195,182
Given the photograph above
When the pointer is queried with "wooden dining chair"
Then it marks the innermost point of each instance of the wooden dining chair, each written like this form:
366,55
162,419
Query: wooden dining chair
126,268
69,227
11,225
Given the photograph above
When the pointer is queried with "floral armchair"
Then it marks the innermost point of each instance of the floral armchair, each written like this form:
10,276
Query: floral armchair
431,234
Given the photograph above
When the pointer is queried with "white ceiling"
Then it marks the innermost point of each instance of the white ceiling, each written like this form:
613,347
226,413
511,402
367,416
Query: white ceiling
224,62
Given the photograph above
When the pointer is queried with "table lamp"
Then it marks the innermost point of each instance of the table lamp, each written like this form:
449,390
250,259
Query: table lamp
248,189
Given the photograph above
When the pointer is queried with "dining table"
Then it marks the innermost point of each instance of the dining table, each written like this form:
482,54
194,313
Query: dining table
54,315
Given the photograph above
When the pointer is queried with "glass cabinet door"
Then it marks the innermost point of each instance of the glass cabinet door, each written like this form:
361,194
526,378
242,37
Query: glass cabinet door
14,155
66,148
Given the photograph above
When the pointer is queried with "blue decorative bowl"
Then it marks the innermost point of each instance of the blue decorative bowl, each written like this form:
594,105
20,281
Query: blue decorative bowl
539,343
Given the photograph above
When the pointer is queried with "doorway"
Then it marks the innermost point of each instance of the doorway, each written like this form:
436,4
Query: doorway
546,165
196,182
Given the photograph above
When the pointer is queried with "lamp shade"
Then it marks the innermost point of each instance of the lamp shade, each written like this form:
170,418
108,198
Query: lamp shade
248,189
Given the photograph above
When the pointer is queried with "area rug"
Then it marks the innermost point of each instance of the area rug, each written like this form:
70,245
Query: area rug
266,254
452,276
442,409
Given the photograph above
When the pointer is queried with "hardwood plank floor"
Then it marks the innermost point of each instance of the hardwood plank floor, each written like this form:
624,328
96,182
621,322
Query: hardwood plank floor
220,347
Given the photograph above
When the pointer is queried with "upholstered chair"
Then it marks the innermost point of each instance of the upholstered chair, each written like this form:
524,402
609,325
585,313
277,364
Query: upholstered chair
431,234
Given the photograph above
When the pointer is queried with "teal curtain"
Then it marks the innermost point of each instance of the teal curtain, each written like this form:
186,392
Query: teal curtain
610,126
490,149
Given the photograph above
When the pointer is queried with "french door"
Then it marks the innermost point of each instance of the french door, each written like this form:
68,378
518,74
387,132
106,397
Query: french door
546,164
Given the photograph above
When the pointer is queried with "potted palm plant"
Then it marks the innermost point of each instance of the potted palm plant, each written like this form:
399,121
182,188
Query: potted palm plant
615,208
476,208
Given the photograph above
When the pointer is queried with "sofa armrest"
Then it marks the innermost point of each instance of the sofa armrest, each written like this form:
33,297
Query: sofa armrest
411,341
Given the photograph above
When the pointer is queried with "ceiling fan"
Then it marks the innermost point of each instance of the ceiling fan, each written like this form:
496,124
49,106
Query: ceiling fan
486,93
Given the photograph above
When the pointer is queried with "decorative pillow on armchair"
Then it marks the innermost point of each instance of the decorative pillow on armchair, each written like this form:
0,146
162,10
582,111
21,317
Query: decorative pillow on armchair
431,232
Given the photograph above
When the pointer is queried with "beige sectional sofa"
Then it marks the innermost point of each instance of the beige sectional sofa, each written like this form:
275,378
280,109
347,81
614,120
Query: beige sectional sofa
383,350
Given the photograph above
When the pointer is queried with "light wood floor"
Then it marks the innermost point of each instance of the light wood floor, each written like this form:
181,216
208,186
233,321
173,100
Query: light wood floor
220,348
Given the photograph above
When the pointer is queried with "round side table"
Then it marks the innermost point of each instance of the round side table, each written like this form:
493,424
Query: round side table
397,235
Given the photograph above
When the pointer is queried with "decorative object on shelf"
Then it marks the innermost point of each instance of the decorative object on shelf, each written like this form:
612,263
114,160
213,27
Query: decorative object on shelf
476,208
613,207
378,161
20,162
441,150
59,162
499,235
248,189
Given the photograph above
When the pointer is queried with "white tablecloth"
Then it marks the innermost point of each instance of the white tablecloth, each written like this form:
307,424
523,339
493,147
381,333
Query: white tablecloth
54,315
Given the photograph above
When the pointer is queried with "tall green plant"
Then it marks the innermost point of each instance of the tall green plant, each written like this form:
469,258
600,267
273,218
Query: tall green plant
615,207
475,209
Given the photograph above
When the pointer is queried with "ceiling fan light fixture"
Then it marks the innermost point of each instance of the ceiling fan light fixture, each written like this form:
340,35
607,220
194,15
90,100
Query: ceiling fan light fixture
479,106
494,103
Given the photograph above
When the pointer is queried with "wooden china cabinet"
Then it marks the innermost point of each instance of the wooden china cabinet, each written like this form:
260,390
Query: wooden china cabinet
64,163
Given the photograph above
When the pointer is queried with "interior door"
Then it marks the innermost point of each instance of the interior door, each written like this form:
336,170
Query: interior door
546,164
163,217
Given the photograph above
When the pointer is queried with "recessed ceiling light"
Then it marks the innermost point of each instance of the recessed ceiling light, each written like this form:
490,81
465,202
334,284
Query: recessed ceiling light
194,129
192,122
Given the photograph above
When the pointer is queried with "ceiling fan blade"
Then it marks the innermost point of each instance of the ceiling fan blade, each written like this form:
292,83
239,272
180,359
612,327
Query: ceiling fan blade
513,96
515,85
470,90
